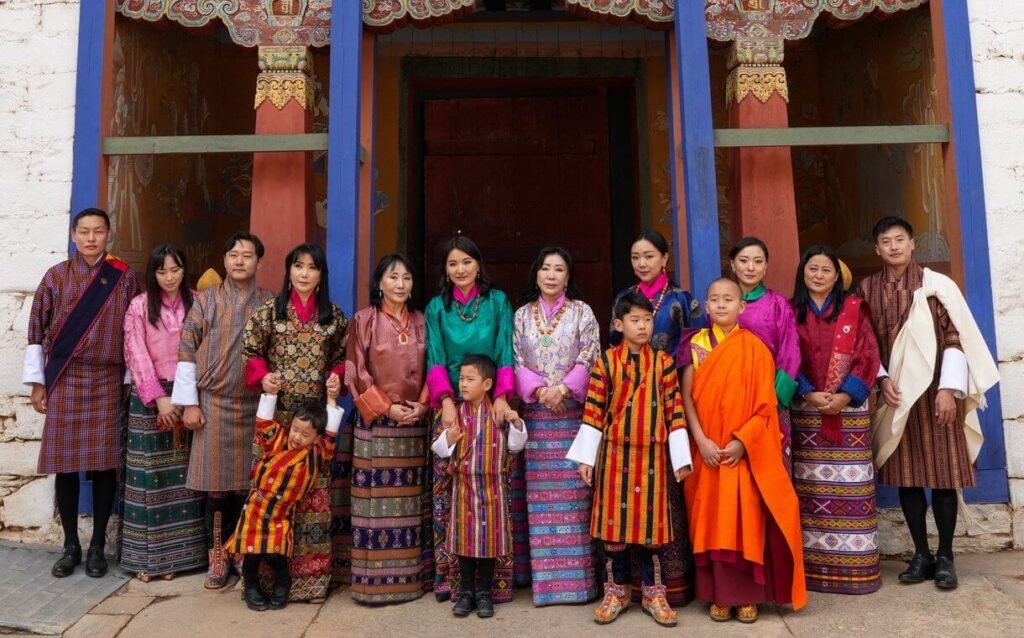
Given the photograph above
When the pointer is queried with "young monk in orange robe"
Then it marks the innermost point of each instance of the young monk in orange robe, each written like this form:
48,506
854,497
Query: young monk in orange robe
744,514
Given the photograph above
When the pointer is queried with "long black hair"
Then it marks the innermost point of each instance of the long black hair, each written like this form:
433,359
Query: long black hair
660,243
468,246
324,308
153,291
383,266
801,296
572,291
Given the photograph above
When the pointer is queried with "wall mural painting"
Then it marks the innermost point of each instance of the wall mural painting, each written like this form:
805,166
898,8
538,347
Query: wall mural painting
788,19
165,84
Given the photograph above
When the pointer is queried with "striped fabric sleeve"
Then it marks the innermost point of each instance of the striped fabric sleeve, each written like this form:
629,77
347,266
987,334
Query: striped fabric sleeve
595,410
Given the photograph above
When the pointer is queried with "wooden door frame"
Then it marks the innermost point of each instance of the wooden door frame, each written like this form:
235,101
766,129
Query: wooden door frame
426,78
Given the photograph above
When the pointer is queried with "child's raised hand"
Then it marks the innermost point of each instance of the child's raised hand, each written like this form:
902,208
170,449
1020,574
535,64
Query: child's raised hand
453,434
683,472
333,387
512,417
733,452
587,473
272,383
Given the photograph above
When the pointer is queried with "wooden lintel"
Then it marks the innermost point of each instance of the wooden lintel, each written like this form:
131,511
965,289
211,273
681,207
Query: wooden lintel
187,144
832,136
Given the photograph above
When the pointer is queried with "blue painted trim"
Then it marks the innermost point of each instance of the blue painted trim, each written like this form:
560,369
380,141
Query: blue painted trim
973,228
343,152
701,194
87,153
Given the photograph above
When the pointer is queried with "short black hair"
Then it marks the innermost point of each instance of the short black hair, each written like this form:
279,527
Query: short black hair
629,300
90,212
244,236
312,410
483,364
747,242
723,280
886,223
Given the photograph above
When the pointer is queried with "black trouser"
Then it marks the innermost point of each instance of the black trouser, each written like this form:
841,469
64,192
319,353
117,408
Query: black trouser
621,572
278,563
944,507
229,506
477,574
104,489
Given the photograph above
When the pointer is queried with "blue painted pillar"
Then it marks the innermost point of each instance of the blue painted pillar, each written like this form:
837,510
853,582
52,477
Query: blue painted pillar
343,152
698,146
970,190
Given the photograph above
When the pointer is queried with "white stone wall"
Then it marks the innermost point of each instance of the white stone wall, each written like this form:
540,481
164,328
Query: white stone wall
997,38
38,56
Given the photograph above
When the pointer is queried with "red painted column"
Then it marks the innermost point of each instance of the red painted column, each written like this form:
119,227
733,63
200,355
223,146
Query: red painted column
763,201
283,214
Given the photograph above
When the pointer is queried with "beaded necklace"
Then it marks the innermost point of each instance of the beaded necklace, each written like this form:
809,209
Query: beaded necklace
403,331
302,327
658,298
546,332
476,310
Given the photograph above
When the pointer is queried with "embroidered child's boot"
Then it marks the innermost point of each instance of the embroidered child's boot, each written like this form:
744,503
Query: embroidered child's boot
615,602
655,604
217,573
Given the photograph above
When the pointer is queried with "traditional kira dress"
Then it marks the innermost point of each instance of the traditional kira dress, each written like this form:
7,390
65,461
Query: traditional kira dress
833,469
676,314
556,345
304,352
472,324
164,530
392,528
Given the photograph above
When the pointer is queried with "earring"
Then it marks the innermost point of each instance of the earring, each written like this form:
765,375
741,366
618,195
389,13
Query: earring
478,275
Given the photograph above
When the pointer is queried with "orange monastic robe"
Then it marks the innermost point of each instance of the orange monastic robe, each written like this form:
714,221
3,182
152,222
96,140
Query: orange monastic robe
729,507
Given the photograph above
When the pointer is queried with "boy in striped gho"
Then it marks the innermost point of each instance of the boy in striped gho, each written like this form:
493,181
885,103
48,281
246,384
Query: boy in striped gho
281,477
633,413
480,529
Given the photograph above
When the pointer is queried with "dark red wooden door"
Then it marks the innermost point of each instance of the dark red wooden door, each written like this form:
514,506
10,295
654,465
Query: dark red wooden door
518,174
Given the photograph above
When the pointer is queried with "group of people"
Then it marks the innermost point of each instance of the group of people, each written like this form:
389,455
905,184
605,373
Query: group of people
725,450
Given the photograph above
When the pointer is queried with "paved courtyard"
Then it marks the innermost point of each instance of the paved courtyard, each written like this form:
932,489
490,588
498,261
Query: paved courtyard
990,602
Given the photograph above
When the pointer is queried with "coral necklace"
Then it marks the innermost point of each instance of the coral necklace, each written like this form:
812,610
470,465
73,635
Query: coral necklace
658,298
546,331
400,326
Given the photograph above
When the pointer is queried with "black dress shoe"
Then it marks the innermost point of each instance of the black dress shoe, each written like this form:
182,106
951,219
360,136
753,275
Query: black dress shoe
922,568
95,563
484,606
255,599
945,573
464,605
279,599
65,565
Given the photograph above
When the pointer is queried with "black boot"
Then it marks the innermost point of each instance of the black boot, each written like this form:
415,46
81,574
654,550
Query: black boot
484,606
945,573
254,597
922,568
464,605
95,562
282,591
65,565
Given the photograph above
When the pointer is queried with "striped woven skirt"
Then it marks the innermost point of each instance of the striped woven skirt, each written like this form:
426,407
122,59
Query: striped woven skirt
341,508
518,517
558,510
163,530
392,533
836,486
447,580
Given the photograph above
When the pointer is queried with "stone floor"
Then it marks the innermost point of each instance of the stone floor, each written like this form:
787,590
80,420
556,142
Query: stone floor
990,602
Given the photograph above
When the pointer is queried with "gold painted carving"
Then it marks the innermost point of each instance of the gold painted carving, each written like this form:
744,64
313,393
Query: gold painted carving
285,75
756,69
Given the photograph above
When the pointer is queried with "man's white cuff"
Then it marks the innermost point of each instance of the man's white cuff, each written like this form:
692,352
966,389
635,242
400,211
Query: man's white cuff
35,363
954,372
334,417
440,446
679,449
882,372
268,403
585,446
185,393
517,438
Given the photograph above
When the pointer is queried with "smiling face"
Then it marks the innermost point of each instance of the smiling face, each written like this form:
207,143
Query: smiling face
301,434
648,262
750,266
90,236
304,275
636,326
396,284
473,386
895,246
241,262
553,276
169,276
820,275
724,303
462,269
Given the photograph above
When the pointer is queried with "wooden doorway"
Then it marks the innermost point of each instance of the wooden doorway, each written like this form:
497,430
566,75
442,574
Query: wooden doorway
520,170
